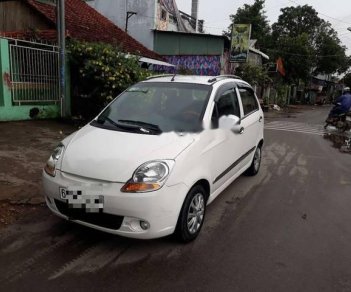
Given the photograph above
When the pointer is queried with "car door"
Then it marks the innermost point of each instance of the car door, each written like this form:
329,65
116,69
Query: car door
229,148
252,120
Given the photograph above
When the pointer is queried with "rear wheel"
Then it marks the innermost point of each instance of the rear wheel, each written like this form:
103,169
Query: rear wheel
192,215
256,162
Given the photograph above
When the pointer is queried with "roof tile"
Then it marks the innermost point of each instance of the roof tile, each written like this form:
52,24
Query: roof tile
85,23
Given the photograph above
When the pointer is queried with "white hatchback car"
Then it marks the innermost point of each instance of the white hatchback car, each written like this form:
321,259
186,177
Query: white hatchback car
152,160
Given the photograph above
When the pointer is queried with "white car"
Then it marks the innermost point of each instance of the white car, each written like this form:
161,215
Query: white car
149,164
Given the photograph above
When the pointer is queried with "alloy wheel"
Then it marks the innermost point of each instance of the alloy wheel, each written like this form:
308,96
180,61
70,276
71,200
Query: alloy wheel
257,159
196,213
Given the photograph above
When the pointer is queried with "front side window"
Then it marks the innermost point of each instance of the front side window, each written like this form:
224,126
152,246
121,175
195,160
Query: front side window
226,104
153,108
249,100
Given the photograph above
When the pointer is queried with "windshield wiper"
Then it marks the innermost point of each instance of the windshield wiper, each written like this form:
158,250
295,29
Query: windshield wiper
143,126
102,120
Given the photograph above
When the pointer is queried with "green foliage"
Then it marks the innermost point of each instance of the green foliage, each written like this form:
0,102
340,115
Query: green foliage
99,73
252,74
299,57
281,90
307,44
334,57
48,113
295,21
255,15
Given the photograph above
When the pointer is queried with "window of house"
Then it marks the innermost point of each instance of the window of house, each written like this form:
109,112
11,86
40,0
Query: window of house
249,100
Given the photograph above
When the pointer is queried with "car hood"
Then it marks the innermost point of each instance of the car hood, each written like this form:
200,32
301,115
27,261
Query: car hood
113,156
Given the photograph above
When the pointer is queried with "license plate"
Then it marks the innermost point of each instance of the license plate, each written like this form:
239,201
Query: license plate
82,199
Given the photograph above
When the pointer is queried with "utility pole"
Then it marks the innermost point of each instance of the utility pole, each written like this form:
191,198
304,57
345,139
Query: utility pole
61,37
129,15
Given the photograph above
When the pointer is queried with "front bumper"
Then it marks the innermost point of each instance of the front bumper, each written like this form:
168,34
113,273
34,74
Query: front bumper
123,212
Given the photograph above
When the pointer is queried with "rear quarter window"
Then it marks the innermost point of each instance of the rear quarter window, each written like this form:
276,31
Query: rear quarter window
249,100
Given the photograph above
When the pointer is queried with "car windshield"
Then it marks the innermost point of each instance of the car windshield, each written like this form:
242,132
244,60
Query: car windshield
154,108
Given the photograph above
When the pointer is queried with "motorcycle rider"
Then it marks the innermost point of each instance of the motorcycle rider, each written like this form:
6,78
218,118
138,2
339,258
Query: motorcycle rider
342,105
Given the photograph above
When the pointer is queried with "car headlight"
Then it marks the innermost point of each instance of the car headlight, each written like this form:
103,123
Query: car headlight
148,177
50,167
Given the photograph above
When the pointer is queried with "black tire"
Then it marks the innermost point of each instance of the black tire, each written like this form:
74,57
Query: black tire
256,162
185,231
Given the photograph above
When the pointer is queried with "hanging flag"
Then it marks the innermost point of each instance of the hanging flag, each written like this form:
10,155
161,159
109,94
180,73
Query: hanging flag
280,66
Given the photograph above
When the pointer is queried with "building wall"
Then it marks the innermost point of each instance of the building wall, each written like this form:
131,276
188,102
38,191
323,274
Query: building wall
10,111
140,26
171,43
254,59
17,16
197,65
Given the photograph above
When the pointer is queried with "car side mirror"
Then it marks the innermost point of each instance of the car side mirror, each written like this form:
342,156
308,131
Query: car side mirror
230,122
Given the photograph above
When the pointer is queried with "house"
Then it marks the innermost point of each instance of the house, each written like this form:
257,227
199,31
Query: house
29,58
141,18
173,34
30,19
199,54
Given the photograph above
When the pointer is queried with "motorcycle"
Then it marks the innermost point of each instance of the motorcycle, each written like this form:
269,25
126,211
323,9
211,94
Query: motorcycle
341,122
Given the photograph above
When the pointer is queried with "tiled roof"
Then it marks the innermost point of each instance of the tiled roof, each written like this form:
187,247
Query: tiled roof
49,34
85,23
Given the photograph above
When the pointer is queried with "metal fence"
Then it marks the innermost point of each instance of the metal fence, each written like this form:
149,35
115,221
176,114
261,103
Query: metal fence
34,73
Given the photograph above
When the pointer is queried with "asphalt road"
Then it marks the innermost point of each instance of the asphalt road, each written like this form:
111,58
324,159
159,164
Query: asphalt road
287,229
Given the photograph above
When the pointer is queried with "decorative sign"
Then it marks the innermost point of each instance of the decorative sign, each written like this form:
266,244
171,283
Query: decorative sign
240,43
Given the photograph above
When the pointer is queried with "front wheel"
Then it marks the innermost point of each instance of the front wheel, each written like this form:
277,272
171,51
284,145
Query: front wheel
192,215
256,162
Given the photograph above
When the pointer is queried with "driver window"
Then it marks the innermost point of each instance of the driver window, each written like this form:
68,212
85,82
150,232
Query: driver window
227,104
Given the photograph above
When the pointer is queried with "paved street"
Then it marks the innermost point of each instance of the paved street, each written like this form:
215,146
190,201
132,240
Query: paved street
287,229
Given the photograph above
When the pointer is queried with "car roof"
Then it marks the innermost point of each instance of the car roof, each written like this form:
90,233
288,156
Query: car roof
207,80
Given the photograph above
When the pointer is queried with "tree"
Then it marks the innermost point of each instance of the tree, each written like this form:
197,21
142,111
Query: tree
294,21
331,55
298,57
307,44
255,15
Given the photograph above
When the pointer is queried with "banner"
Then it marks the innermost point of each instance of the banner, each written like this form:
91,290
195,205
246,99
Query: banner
240,43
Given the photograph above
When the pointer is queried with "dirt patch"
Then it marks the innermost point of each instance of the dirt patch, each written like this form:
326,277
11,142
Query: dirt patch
10,213
24,148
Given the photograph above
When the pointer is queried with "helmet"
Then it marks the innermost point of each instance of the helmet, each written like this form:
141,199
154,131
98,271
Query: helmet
347,89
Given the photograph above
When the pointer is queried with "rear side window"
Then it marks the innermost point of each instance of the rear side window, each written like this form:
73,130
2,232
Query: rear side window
249,100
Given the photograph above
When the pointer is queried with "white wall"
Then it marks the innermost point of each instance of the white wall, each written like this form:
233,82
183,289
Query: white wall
140,26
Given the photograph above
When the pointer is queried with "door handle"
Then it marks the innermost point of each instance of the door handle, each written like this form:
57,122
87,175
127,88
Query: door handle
260,119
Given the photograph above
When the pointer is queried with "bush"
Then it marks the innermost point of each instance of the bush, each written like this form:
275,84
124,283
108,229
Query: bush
99,72
253,74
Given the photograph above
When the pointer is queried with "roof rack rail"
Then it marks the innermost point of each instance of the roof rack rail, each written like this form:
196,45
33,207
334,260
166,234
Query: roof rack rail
216,78
158,76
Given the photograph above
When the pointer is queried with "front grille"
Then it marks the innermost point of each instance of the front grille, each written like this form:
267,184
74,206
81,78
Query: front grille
99,219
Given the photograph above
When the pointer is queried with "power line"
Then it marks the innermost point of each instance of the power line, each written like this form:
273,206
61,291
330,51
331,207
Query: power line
339,20
302,55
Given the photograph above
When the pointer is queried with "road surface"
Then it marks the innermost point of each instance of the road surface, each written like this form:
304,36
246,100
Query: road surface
287,229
